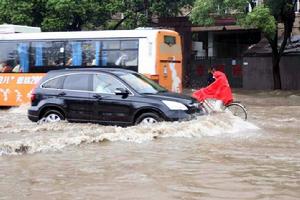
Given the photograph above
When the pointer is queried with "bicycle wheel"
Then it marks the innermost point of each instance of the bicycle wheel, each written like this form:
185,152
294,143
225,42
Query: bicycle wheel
238,110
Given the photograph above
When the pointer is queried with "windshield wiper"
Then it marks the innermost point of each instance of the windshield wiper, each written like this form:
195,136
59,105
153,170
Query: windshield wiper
163,91
148,93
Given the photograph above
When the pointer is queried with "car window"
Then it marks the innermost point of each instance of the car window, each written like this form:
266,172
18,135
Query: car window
104,83
55,83
77,82
142,84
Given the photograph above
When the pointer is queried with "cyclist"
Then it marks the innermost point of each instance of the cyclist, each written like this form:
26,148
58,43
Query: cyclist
219,89
210,76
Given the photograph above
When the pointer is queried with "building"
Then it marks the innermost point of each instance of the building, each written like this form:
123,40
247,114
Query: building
258,60
222,45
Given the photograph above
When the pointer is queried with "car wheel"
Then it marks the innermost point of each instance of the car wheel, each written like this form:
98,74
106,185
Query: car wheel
148,118
53,116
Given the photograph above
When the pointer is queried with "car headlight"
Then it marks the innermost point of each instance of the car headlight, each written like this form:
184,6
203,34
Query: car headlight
195,105
172,105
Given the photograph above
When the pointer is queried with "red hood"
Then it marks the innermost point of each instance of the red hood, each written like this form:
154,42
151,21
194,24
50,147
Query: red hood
219,89
218,74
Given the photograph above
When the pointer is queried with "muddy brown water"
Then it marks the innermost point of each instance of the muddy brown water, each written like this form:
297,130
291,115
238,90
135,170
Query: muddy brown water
214,157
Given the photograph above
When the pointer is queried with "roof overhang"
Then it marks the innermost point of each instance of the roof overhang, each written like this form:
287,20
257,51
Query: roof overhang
217,28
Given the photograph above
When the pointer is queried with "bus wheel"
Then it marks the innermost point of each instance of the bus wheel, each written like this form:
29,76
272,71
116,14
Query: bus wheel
53,116
148,118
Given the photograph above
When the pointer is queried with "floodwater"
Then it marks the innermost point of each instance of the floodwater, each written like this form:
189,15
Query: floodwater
214,157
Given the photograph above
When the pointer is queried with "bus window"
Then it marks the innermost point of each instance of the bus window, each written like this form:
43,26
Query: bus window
91,52
169,40
127,58
47,54
96,61
37,54
83,53
54,53
110,53
110,58
111,44
14,57
8,52
74,53
125,55
22,65
129,44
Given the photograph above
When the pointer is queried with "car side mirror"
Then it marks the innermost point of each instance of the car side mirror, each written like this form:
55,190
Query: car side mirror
121,91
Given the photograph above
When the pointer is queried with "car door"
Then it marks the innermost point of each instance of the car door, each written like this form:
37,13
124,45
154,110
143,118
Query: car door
109,107
77,97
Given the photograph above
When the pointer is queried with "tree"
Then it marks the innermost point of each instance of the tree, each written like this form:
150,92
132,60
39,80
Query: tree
75,15
16,12
141,12
265,17
56,15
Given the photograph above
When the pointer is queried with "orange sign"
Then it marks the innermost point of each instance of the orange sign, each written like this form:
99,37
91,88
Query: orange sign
15,89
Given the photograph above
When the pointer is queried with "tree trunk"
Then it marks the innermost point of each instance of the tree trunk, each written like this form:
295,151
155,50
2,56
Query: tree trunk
287,16
76,23
276,56
276,72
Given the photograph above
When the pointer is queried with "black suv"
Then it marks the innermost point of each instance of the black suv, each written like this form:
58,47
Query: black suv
107,96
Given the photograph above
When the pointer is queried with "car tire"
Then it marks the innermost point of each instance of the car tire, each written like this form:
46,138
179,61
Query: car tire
53,116
148,118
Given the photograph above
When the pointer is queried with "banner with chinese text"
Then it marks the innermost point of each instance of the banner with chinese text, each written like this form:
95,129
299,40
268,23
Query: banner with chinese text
15,89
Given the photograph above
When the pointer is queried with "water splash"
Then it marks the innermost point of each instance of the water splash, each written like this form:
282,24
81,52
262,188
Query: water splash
46,137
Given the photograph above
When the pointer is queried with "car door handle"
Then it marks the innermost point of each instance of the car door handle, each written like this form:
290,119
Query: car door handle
97,96
62,94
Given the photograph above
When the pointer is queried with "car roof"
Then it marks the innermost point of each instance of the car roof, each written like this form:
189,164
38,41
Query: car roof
115,71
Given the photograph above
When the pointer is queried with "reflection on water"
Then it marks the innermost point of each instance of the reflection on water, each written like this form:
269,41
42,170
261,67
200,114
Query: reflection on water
214,157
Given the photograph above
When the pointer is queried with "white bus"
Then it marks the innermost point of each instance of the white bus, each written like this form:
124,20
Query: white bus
25,57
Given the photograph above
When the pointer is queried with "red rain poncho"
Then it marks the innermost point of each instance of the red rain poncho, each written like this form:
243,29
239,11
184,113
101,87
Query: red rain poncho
219,89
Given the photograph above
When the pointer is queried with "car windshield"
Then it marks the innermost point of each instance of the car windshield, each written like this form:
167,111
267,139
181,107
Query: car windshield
142,84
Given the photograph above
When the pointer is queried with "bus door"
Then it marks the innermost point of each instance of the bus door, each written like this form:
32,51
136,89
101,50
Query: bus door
169,61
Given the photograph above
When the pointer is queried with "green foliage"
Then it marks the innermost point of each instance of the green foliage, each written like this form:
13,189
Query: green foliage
70,15
140,12
168,8
74,15
16,12
201,12
55,15
205,12
262,19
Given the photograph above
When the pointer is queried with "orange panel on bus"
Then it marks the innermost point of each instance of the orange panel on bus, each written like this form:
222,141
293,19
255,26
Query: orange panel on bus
15,89
169,62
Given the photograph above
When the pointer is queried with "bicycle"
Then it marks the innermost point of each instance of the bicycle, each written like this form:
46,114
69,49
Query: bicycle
235,107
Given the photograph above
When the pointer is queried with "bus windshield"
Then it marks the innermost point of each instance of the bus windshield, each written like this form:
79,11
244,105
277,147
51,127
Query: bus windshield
142,84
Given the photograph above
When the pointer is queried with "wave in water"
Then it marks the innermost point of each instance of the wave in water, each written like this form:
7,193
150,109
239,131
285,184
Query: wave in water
57,136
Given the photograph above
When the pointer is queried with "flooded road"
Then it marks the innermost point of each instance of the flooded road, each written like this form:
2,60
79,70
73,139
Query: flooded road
214,157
